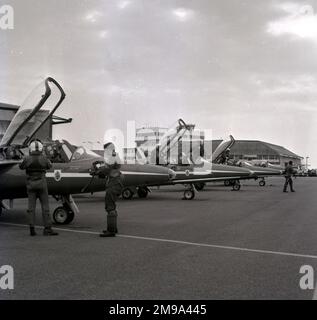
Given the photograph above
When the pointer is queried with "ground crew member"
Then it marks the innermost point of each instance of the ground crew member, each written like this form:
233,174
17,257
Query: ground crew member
289,171
114,186
36,164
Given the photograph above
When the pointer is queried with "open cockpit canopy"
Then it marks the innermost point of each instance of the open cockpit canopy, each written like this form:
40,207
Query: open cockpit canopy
36,109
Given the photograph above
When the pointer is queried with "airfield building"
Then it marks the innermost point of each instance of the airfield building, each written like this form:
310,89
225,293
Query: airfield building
257,151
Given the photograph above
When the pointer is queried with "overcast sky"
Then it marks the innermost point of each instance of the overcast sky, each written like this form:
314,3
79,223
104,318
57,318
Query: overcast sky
246,68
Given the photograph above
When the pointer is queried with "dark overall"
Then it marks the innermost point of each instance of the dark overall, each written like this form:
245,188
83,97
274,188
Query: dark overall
114,188
36,165
289,171
113,191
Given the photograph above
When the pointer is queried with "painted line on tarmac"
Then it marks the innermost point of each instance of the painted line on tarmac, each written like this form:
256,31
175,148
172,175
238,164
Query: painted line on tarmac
202,245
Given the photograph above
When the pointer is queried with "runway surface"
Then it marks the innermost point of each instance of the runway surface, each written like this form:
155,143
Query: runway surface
249,244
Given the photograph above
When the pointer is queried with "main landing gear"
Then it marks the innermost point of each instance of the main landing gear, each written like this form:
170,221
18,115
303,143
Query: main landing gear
235,184
65,214
142,192
227,183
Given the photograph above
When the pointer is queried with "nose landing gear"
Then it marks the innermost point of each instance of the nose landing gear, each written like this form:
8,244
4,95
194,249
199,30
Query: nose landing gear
189,193
65,214
262,183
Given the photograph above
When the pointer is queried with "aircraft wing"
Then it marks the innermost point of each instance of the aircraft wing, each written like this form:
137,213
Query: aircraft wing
195,180
8,163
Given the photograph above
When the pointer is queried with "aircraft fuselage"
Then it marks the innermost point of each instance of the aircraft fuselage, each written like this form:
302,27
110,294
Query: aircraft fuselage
71,178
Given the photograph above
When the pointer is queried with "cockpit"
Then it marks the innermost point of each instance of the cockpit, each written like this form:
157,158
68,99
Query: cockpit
58,151
61,151
31,116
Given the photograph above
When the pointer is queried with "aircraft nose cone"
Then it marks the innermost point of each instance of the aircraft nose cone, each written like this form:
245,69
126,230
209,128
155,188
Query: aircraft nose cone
171,174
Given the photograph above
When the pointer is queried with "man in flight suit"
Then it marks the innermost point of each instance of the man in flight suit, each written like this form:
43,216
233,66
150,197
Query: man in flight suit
114,186
289,171
224,159
36,165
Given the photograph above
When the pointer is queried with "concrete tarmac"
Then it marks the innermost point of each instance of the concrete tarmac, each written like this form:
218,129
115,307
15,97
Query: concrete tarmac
223,244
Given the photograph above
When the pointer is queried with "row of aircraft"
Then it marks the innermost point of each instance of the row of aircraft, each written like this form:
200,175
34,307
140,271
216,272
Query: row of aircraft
72,165
196,172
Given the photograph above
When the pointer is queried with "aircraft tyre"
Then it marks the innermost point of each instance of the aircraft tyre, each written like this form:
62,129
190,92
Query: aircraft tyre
189,194
127,194
236,187
227,183
63,216
262,183
143,192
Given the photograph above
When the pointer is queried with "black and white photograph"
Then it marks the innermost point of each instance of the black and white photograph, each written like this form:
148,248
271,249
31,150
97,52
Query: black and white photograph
158,150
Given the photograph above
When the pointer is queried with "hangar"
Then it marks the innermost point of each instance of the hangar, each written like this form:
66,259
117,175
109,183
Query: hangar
257,151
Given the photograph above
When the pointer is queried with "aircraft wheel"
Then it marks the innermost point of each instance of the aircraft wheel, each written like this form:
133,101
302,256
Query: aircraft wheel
127,194
227,183
262,183
236,187
63,216
143,192
200,186
189,195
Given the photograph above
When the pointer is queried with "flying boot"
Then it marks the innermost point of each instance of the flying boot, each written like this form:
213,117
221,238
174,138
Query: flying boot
48,231
111,225
32,231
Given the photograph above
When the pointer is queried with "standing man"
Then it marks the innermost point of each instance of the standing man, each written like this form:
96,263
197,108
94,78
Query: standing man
36,164
289,171
111,171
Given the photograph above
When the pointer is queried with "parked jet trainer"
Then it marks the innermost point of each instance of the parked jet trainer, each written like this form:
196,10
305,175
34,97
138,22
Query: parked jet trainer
257,171
71,165
260,172
193,173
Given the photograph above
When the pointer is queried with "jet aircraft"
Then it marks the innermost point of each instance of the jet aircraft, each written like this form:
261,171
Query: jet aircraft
259,172
70,173
193,173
